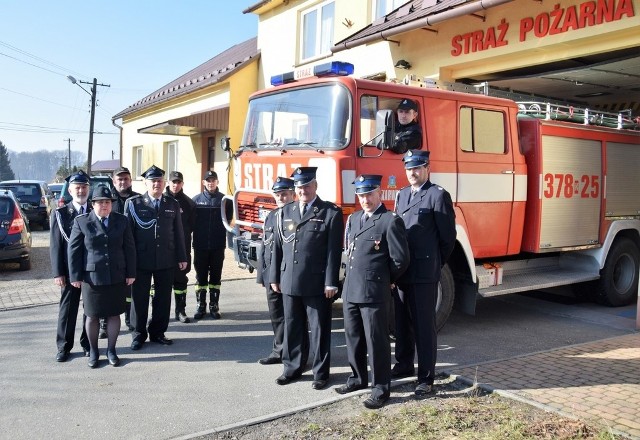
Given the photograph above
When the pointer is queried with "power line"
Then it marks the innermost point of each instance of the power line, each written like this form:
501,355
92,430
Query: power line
37,58
40,99
43,129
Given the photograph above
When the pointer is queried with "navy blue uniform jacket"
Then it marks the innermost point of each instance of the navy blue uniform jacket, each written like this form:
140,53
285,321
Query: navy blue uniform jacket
61,224
100,257
377,254
306,256
431,231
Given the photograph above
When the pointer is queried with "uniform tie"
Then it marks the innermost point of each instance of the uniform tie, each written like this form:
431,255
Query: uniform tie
81,210
413,194
304,209
363,219
156,204
103,220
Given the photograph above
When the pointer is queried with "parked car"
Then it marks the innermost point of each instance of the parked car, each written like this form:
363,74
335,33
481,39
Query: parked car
56,190
35,197
65,197
15,235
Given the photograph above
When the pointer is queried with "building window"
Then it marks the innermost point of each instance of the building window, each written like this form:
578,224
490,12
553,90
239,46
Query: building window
317,30
384,7
480,131
136,160
172,156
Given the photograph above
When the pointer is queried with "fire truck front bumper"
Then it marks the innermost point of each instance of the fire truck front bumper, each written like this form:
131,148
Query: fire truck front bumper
246,248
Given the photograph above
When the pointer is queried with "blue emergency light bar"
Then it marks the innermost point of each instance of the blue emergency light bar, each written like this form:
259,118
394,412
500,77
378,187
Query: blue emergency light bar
334,68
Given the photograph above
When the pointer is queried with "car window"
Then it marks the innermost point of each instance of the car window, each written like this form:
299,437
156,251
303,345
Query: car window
5,205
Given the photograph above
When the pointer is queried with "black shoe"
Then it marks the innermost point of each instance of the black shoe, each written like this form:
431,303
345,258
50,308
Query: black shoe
319,384
398,372
270,361
130,327
102,334
199,313
114,360
86,351
423,389
213,311
136,345
162,339
93,361
182,317
285,380
62,356
349,388
375,402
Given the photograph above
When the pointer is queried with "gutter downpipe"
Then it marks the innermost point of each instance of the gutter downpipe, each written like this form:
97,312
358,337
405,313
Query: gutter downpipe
430,20
113,121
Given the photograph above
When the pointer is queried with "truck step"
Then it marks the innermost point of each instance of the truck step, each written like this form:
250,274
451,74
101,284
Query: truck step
552,277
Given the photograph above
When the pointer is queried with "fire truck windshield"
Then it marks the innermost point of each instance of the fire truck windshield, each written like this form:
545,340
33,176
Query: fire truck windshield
317,118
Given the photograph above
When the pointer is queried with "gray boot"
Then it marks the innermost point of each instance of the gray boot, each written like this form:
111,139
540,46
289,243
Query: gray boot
214,310
201,295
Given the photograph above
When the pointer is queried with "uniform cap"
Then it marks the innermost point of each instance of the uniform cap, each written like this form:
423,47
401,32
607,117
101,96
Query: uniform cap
176,175
415,158
210,175
408,104
79,177
102,192
282,184
153,173
304,175
367,183
121,170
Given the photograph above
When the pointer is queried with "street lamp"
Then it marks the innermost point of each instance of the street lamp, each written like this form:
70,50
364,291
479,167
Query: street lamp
94,86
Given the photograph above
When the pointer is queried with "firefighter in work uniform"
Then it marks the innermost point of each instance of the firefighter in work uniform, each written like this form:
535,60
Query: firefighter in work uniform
209,243
157,231
122,191
408,135
378,253
428,215
187,208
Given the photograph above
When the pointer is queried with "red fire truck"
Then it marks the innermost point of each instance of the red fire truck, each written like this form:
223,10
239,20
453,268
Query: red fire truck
545,195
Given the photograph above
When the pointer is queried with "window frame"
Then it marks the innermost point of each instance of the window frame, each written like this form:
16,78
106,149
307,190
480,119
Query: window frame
136,161
467,140
318,46
168,146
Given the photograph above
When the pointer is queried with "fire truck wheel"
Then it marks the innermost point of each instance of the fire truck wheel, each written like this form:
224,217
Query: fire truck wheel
618,282
446,294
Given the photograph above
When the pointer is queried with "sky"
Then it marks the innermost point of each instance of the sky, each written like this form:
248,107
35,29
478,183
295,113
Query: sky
134,46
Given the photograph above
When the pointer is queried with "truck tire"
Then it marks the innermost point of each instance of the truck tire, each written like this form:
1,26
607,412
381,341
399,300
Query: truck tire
618,282
446,295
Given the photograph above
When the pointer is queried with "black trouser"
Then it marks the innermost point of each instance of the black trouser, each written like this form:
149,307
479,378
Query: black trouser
298,310
208,264
366,330
415,308
67,317
161,303
276,314
180,279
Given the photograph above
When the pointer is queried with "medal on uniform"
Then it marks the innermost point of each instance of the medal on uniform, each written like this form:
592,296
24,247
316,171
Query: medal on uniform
377,246
290,227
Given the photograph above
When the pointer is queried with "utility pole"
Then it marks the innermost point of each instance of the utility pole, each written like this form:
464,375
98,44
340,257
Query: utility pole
69,144
94,86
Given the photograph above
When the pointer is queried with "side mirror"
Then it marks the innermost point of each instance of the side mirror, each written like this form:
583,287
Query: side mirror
385,128
225,143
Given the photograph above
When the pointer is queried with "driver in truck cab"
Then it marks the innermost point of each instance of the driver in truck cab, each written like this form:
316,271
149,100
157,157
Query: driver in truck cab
408,134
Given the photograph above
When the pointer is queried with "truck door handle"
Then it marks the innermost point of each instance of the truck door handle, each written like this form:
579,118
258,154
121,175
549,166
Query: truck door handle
508,172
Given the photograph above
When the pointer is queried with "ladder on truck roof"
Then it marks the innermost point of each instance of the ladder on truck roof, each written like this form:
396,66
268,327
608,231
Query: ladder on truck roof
538,106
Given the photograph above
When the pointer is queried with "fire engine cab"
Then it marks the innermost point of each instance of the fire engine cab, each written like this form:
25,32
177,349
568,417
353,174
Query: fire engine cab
545,194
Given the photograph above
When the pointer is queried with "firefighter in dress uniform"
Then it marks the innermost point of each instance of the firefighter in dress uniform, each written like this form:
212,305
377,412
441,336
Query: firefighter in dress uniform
61,224
157,231
122,191
187,208
304,268
284,192
429,218
378,253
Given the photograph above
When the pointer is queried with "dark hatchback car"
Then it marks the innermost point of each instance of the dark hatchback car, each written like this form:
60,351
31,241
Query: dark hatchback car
35,199
65,197
15,236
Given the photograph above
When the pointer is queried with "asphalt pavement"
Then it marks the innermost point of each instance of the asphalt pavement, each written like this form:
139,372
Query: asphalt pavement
579,360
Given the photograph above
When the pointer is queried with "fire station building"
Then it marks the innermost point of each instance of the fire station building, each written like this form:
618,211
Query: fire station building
580,52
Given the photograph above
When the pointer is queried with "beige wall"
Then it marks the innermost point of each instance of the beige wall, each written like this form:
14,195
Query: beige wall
430,53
